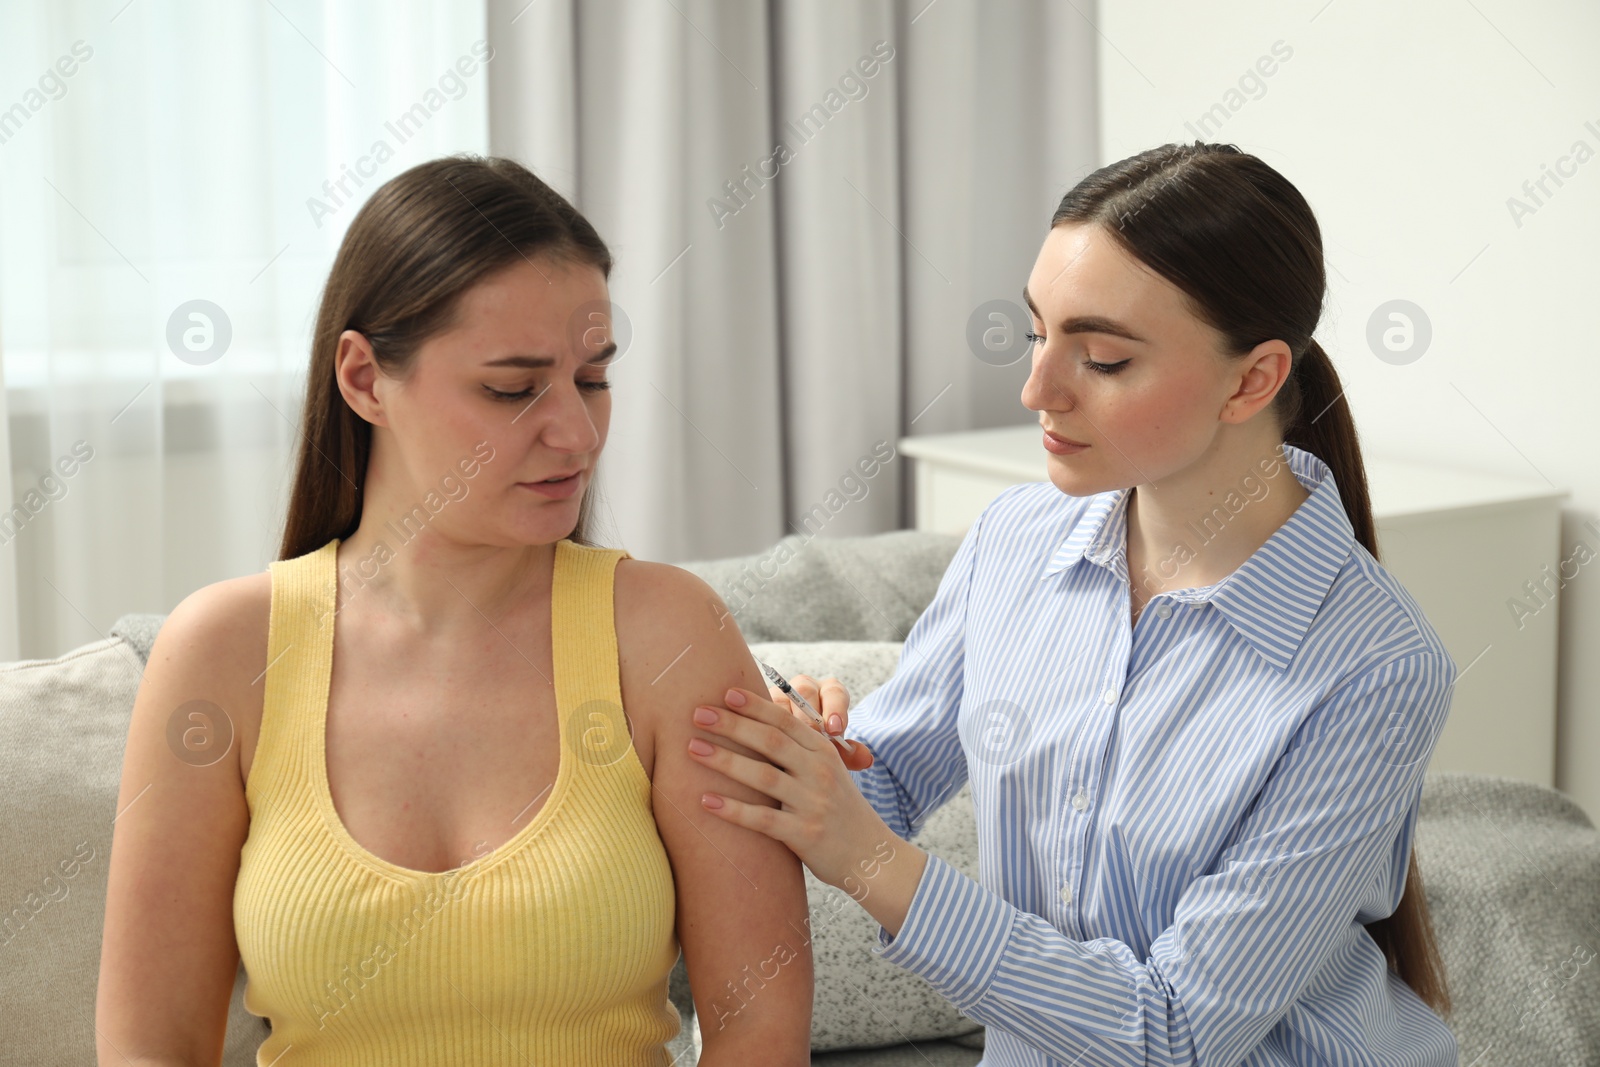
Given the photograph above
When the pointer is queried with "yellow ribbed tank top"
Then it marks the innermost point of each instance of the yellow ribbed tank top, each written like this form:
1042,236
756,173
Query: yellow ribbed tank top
553,949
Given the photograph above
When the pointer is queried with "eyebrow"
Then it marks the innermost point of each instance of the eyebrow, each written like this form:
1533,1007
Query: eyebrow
1088,323
536,362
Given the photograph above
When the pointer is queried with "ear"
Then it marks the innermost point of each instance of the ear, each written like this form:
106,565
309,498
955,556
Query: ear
355,370
1261,373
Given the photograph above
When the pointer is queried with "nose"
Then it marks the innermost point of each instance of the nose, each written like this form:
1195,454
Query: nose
1045,390
565,421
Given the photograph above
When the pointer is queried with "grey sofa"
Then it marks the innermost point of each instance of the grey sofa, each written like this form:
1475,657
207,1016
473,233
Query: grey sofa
1512,870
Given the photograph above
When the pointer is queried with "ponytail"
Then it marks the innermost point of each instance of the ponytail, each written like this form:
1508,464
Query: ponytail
1243,245
1317,419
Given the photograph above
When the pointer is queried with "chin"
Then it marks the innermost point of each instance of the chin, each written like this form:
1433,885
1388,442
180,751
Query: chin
549,525
1073,482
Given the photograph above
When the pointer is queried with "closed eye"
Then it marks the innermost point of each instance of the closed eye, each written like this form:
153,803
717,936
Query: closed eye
1104,368
1098,368
593,387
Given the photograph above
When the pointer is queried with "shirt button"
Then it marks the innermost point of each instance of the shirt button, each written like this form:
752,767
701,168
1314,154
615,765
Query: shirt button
1163,609
1066,894
1079,801
1110,696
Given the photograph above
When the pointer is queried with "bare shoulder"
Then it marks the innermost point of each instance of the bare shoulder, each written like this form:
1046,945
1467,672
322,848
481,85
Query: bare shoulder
661,587
662,608
213,647
677,643
223,619
222,612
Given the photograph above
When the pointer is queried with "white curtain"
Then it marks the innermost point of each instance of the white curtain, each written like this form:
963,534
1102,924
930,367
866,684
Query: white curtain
788,309
823,306
183,158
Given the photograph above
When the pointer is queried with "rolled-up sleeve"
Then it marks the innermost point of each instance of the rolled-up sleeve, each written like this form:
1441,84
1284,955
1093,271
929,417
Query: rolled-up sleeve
1326,842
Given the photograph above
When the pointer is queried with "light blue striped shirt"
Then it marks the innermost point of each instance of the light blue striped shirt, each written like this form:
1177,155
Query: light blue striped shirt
1182,824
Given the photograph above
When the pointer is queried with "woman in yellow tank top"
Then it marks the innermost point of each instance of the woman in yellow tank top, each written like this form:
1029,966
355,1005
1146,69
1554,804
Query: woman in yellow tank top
440,838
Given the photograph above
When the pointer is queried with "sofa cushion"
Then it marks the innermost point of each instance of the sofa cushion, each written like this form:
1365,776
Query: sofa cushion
139,630
868,588
1512,874
63,728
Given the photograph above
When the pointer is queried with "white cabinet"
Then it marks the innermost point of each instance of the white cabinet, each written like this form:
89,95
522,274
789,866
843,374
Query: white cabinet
1465,545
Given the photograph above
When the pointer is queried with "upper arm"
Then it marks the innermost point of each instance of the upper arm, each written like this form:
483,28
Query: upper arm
742,914
168,956
1326,840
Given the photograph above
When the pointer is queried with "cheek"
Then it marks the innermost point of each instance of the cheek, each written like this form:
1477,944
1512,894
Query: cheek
1149,424
483,422
1167,407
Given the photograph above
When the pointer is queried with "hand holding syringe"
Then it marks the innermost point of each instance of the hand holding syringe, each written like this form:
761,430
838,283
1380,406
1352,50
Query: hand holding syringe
856,756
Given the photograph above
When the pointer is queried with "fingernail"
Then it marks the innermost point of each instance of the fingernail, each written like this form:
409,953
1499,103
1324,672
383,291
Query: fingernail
734,698
705,716
700,748
711,800
835,724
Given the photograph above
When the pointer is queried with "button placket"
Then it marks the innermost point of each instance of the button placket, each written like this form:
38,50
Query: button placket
1087,755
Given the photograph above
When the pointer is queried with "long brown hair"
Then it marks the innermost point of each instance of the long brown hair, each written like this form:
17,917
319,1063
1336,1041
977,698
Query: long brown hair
1242,243
416,246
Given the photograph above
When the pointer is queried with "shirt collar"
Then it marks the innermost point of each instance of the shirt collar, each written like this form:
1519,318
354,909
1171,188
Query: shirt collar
1273,596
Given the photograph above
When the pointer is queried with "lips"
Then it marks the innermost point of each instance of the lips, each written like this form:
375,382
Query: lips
1066,440
556,477
564,487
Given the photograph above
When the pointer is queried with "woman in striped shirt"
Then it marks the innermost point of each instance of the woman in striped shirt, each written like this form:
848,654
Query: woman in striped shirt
1194,709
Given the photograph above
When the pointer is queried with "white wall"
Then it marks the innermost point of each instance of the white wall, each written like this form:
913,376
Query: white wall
1409,127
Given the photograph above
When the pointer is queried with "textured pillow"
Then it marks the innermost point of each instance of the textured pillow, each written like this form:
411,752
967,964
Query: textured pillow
63,728
1512,873
868,588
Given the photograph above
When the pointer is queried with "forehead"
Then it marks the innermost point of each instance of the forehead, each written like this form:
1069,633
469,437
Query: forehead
525,314
1081,270
536,292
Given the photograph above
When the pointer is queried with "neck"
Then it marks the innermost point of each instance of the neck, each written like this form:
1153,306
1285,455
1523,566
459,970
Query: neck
431,582
1198,525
